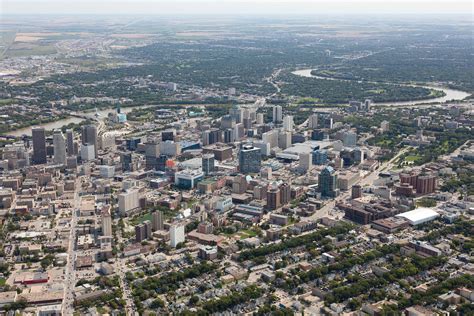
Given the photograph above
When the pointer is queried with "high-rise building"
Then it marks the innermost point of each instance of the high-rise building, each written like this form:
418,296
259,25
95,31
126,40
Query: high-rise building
140,232
305,162
250,159
277,114
313,121
70,143
188,178
87,152
148,229
288,123
349,139
208,165
126,161
328,182
176,234
260,118
356,191
227,121
59,144
89,137
39,145
161,163
271,137
273,196
285,193
157,221
320,157
284,139
106,223
128,201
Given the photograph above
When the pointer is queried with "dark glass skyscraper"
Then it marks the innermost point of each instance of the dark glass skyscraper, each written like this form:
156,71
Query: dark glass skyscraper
208,165
89,136
250,159
328,182
39,145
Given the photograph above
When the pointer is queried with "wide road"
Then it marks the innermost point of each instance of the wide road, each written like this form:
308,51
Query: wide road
70,278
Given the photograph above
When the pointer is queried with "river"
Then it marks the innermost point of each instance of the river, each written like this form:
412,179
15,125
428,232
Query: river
60,123
450,94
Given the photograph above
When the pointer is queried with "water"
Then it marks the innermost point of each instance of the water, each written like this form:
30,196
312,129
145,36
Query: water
450,94
76,120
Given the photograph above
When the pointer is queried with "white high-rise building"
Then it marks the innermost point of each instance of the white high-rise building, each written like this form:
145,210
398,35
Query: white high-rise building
176,234
59,144
260,118
87,152
313,121
288,123
271,137
306,162
277,113
128,201
106,223
284,140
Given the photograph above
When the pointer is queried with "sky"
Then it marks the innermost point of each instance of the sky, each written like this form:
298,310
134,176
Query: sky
259,7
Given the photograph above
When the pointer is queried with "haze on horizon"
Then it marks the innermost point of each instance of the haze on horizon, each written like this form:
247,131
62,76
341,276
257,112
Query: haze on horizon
256,7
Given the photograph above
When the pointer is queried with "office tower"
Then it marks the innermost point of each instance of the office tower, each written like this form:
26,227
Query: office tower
59,144
208,165
319,134
148,229
106,223
285,193
70,143
284,140
229,135
277,114
250,159
288,123
140,232
328,182
89,137
132,143
313,121
161,163
260,118
320,157
239,131
359,155
152,151
170,148
227,121
236,113
273,196
168,135
39,145
356,191
87,152
271,137
157,221
126,161
305,162
328,122
349,139
176,234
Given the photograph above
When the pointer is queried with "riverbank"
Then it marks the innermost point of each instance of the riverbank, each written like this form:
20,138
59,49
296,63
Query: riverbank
449,93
